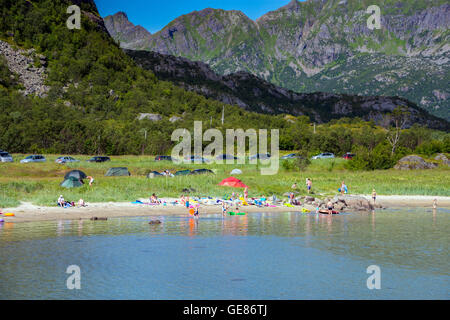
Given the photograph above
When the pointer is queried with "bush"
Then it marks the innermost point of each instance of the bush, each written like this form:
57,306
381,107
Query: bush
431,147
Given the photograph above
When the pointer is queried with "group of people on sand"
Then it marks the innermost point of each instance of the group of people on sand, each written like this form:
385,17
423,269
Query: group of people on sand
68,204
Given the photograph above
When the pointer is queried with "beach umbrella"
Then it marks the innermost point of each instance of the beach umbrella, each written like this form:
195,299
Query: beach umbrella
233,182
76,174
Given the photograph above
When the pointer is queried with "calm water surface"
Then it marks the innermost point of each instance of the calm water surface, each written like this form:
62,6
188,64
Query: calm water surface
259,256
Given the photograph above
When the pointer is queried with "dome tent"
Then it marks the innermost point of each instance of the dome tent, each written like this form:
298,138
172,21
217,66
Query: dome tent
78,174
117,172
71,182
235,172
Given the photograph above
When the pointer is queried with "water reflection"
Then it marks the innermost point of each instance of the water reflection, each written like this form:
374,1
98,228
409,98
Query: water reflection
415,240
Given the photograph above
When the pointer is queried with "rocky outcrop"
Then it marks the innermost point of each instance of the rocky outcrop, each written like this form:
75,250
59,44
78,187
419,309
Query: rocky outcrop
321,45
414,163
129,35
442,158
29,66
150,116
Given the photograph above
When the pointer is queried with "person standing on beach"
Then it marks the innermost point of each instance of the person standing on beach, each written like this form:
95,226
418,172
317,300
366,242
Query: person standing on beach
187,201
435,204
374,196
309,185
246,194
343,188
91,180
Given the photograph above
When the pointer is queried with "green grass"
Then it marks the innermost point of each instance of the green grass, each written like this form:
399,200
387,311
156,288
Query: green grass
39,182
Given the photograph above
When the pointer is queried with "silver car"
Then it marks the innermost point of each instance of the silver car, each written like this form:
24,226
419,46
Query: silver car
66,159
33,158
5,157
325,155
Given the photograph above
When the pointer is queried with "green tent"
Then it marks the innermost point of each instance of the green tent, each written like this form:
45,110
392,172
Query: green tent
71,182
116,172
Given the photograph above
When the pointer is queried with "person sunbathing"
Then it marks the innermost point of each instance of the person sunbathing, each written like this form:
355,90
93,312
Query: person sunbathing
154,199
81,203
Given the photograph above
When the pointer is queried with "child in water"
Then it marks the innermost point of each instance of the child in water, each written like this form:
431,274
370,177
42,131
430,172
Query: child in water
224,208
196,213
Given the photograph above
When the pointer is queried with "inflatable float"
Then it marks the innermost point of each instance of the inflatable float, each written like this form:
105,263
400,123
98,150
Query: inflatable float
326,212
9,214
237,213
305,210
1,220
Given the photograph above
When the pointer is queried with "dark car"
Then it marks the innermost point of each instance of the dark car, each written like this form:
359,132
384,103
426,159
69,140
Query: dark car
163,158
197,159
226,157
261,156
202,171
99,159
348,156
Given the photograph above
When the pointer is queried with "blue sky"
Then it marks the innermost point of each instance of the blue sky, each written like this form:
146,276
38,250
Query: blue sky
156,14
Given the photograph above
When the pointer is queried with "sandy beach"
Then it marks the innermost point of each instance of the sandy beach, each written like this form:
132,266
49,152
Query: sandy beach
28,212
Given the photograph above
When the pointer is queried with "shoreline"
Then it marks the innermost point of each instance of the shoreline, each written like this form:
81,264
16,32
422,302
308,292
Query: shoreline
28,212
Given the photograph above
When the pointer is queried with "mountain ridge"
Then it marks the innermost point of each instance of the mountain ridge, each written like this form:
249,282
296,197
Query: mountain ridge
324,46
254,94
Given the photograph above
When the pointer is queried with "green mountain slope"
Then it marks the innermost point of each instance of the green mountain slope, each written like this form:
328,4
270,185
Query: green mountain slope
94,93
324,45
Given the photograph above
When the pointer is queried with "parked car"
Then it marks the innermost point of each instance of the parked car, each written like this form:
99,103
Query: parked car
261,156
5,157
197,159
325,155
163,158
99,159
348,156
66,159
226,157
33,158
292,156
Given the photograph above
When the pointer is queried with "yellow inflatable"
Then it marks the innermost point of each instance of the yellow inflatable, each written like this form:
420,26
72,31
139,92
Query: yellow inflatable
244,203
289,205
305,210
9,214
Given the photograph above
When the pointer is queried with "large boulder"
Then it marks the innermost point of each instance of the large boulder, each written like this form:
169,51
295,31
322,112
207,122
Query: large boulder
355,202
443,158
413,163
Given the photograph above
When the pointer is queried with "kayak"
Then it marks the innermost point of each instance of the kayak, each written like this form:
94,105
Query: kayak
237,213
326,212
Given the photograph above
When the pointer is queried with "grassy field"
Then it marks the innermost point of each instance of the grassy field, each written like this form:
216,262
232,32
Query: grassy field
39,182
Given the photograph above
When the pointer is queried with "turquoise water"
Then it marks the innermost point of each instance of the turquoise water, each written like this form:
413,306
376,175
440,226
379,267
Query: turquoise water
259,256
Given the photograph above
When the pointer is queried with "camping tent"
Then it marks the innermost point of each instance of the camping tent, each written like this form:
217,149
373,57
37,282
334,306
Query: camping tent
236,171
201,171
71,182
115,172
182,173
76,174
232,182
